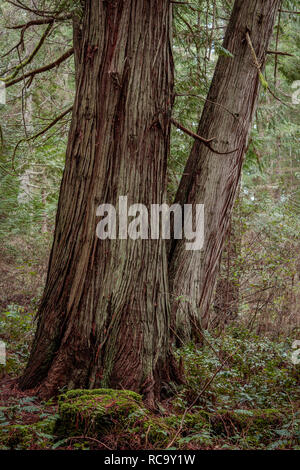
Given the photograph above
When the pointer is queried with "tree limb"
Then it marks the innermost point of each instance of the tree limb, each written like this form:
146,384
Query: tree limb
42,69
31,56
206,142
280,53
209,101
258,66
43,13
290,11
43,131
191,133
40,21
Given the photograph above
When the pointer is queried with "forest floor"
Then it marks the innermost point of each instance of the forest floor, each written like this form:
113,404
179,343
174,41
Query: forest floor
241,392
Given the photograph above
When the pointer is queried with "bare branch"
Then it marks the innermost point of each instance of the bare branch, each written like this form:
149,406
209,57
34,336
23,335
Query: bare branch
191,133
280,53
43,13
290,11
206,142
258,66
276,45
209,101
31,56
41,21
43,131
10,50
32,73
25,26
190,5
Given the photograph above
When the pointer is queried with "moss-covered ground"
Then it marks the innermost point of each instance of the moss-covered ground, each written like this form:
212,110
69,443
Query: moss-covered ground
241,392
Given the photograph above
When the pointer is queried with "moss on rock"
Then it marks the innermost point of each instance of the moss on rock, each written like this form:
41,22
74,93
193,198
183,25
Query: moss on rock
100,412
96,411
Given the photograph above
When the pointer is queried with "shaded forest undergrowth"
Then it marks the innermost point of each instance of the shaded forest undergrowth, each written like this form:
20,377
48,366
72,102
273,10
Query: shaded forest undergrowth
241,392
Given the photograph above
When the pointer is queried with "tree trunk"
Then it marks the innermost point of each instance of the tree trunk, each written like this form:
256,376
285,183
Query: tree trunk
104,315
212,179
227,292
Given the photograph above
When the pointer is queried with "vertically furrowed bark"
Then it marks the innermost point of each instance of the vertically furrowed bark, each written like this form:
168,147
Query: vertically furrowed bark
212,179
104,315
226,298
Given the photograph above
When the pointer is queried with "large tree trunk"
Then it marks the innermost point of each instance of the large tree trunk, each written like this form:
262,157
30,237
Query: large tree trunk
212,179
104,315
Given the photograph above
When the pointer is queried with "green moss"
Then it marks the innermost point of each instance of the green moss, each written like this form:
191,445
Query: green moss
24,437
197,420
156,431
96,411
159,431
99,412
128,394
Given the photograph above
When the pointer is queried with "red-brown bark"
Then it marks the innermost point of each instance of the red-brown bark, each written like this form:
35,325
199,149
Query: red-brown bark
104,315
212,179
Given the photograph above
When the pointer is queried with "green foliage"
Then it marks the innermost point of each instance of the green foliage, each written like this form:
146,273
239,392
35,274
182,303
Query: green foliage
252,402
258,372
30,172
16,327
38,435
197,43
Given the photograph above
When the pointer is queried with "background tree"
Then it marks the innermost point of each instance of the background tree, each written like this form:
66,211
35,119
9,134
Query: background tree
210,178
31,160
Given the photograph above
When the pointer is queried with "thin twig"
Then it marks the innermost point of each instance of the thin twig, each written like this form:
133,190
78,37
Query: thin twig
43,13
290,11
90,439
258,66
40,21
209,101
276,46
43,131
206,142
280,53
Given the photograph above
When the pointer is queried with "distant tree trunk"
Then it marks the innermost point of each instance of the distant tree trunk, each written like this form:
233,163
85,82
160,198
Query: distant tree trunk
104,315
212,179
44,203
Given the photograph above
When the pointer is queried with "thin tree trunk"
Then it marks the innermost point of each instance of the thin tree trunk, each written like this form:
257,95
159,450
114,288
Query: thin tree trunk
212,179
104,315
